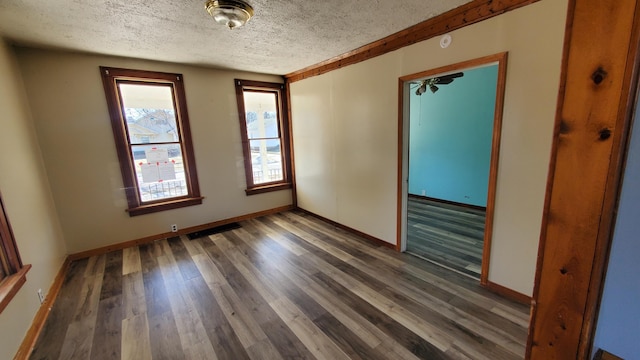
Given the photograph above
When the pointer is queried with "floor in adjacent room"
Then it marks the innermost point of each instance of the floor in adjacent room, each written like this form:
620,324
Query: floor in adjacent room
284,286
446,234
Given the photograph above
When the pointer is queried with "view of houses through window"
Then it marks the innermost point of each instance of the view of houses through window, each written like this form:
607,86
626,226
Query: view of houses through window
154,141
150,123
264,136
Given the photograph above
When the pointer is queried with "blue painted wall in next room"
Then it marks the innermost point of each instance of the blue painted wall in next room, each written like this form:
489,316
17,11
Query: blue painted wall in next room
450,138
618,327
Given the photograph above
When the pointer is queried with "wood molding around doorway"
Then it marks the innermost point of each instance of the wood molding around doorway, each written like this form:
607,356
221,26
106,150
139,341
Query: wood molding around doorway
501,60
595,107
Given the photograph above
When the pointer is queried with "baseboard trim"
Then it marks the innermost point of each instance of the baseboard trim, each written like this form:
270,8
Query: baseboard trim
354,231
508,293
29,340
152,238
498,289
469,206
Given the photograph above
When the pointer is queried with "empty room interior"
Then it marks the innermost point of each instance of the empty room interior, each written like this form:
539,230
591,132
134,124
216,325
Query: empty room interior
319,180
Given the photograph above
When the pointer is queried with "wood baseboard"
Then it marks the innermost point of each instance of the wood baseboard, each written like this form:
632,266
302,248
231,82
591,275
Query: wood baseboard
152,238
508,293
29,341
498,289
344,227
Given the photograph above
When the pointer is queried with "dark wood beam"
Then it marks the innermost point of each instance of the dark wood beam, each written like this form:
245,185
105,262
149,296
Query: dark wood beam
596,96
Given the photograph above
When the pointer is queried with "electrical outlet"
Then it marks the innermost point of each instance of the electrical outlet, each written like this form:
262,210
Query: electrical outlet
40,296
424,192
174,228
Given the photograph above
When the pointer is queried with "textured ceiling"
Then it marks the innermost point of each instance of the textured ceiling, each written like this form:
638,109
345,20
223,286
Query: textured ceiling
284,36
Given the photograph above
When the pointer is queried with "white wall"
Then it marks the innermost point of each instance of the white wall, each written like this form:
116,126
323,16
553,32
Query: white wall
28,202
345,126
72,121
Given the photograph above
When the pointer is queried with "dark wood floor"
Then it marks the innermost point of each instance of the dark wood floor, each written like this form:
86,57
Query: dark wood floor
285,286
449,235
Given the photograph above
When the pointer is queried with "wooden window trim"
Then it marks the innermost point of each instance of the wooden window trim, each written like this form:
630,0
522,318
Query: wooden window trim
11,284
281,96
110,77
16,272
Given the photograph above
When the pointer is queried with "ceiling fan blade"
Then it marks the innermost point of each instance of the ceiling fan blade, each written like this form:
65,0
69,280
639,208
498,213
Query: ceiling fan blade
444,81
455,75
448,79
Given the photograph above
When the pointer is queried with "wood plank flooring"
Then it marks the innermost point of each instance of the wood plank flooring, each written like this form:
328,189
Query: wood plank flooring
449,235
284,286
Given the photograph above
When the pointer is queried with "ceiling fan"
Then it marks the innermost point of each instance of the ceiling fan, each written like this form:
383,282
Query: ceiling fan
431,82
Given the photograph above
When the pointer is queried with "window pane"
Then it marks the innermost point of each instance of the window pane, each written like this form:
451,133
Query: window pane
264,129
262,119
159,171
266,161
148,110
149,113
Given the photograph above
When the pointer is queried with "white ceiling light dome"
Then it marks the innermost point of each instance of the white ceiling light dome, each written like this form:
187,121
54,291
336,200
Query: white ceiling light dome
230,13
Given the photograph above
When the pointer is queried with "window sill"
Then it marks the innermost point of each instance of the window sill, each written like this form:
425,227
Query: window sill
166,205
267,188
11,284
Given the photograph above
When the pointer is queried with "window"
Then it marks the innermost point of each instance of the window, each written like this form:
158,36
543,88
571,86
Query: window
265,136
12,272
151,130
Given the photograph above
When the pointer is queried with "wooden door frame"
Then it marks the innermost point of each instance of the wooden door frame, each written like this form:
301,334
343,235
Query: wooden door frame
403,142
592,41
596,102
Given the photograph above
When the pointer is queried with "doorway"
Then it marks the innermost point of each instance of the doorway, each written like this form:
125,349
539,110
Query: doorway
450,122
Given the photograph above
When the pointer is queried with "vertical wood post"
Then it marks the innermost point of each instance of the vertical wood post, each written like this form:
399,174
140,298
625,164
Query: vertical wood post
596,94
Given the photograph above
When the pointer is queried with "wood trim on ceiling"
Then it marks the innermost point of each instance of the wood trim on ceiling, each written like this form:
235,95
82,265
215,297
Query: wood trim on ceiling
473,12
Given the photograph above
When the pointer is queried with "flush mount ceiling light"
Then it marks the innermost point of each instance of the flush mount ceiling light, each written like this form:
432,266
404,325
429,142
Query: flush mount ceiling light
229,13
